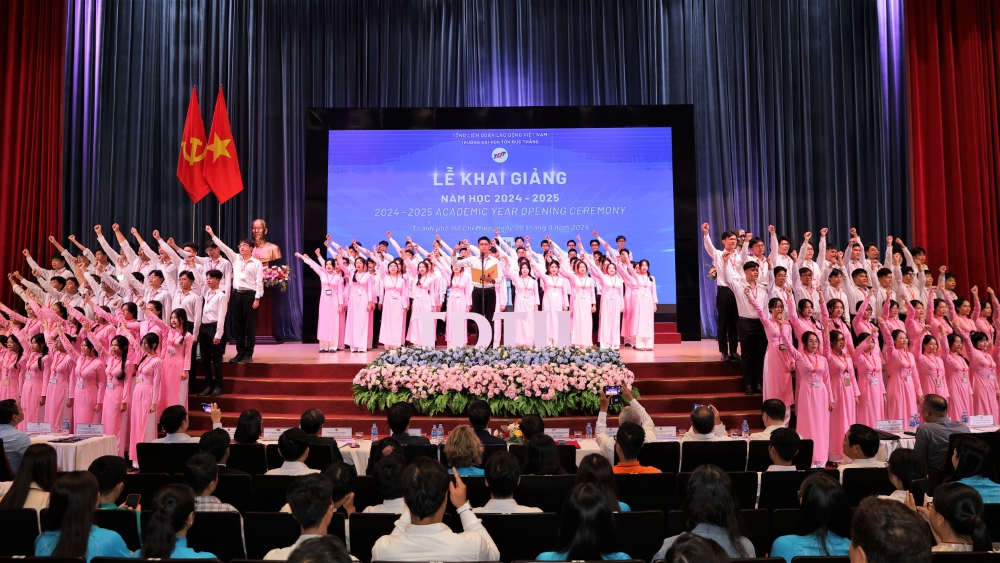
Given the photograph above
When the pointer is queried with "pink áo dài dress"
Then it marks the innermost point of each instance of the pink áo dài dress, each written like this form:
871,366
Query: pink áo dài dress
813,397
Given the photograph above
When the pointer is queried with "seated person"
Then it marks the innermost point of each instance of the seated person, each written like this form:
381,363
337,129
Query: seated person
597,470
632,412
216,443
908,474
861,444
931,440
310,498
202,475
399,416
586,528
293,445
33,480
248,427
628,443
420,534
479,418
784,445
531,425
323,549
974,468
381,449
311,423
71,511
341,476
174,421
166,534
503,473
712,509
706,425
689,548
542,457
888,532
956,519
110,471
389,482
825,519
464,451
15,442
773,413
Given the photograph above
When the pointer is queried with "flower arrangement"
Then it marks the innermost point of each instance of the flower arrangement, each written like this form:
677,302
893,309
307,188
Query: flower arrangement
510,432
277,276
712,272
515,381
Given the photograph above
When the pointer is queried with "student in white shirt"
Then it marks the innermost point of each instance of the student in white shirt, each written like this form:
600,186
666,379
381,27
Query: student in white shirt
784,445
861,445
293,445
388,476
322,549
706,425
310,498
503,473
773,412
174,421
420,534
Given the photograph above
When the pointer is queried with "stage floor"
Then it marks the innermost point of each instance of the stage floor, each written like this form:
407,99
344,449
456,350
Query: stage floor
296,353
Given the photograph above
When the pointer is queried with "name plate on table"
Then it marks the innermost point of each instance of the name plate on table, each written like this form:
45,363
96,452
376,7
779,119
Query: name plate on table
231,430
889,425
666,432
980,420
90,429
559,433
342,433
39,428
414,432
271,434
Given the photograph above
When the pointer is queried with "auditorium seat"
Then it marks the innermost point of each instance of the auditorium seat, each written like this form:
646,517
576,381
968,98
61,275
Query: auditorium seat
144,484
18,530
546,492
6,473
758,458
968,557
319,458
665,456
476,490
122,521
164,458
730,455
269,530
251,458
744,485
866,481
992,439
365,493
219,533
567,455
521,536
991,515
269,491
366,529
647,491
780,489
784,522
490,450
425,450
755,524
821,559
651,527
236,490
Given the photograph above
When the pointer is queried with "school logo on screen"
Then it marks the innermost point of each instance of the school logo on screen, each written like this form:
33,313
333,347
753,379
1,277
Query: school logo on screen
499,155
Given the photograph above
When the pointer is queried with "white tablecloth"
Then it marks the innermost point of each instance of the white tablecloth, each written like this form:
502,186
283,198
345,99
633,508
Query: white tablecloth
886,447
79,455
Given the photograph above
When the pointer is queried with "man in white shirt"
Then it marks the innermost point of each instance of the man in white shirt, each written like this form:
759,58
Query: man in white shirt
174,420
213,324
633,412
310,498
293,445
774,413
725,301
784,445
388,475
861,445
752,338
420,534
485,270
706,425
503,473
248,288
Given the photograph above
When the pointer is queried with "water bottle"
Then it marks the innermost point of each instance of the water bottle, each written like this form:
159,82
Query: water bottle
374,433
64,427
965,417
746,430
916,421
436,432
590,432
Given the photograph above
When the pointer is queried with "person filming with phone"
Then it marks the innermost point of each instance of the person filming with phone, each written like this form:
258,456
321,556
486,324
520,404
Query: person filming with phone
174,421
632,412
706,425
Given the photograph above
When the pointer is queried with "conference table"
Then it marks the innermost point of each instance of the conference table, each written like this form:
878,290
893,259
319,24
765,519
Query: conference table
77,456
886,447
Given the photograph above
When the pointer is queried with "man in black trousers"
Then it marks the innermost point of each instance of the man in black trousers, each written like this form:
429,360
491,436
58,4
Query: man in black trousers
753,339
248,287
726,264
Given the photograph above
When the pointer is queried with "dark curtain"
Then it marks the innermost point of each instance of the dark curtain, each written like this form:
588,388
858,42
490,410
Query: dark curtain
954,62
797,105
31,56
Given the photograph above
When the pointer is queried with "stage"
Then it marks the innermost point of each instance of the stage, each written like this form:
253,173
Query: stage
287,379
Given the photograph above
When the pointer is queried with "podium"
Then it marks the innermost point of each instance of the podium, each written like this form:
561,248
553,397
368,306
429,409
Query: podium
266,315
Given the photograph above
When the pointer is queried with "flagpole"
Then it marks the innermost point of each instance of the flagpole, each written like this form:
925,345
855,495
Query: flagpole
194,222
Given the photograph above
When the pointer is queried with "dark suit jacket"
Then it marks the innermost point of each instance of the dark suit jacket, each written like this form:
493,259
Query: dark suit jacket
223,470
488,439
407,440
320,441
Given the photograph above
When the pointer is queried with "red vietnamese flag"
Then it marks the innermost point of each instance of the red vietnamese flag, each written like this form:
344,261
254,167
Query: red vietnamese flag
191,161
222,168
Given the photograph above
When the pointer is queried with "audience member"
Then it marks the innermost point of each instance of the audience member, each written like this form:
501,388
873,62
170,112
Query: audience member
932,436
68,529
311,423
248,427
15,442
861,445
824,521
784,445
883,531
420,534
689,548
310,498
166,533
908,473
597,470
464,451
399,423
389,482
628,443
503,473
381,449
706,425
479,418
531,424
342,477
33,480
216,443
974,468
586,529
202,474
293,445
324,549
110,471
174,421
632,412
542,457
956,519
772,412
712,511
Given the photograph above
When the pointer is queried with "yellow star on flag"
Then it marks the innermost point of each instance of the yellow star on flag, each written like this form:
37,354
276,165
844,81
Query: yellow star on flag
218,147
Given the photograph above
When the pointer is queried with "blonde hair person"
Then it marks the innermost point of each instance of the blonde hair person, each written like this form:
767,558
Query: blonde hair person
464,451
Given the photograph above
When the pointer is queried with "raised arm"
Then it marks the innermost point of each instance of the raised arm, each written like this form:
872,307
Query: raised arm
222,246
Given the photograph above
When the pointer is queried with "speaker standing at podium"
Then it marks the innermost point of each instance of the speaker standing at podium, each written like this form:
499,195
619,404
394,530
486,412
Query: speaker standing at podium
485,269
